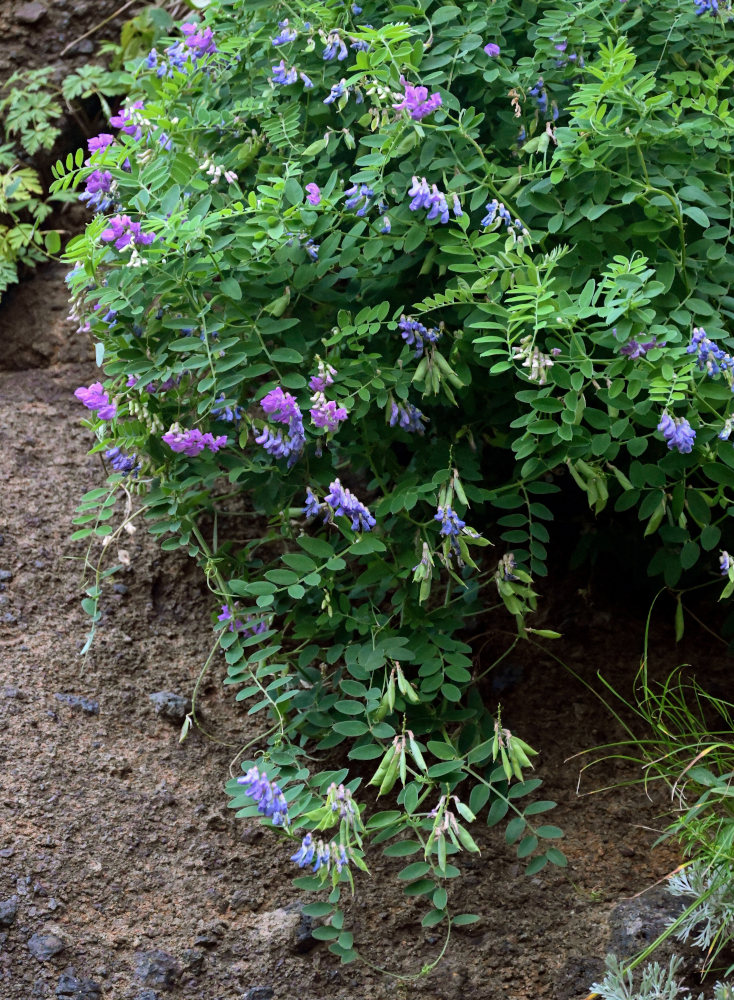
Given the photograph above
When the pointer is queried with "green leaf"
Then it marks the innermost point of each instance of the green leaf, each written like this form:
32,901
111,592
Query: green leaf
413,871
463,919
549,832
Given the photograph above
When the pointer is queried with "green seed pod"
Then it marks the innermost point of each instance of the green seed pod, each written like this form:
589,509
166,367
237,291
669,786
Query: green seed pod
382,767
467,840
391,775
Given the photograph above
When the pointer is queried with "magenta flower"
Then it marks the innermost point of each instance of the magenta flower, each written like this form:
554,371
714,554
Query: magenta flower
200,42
95,398
101,141
123,231
313,194
327,414
417,101
192,442
492,49
125,120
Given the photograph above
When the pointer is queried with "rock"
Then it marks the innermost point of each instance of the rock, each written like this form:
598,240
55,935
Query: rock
77,989
77,702
8,910
5,576
45,946
303,939
635,923
277,928
169,706
147,995
29,13
119,588
259,993
193,959
158,969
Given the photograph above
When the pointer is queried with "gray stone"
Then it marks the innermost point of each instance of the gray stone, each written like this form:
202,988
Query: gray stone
119,588
303,939
29,13
79,703
147,995
8,910
45,946
169,706
77,989
5,576
635,923
157,969
259,993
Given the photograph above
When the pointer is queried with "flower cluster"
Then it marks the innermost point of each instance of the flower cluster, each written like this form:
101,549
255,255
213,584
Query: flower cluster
245,628
323,855
432,200
452,527
540,96
121,462
339,501
534,359
232,414
99,189
632,349
285,35
710,357
128,121
268,796
335,47
408,417
124,232
414,333
361,196
283,409
706,6
192,442
417,102
499,215
95,398
339,800
283,75
678,433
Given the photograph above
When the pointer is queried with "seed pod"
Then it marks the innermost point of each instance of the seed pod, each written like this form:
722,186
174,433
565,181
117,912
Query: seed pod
416,753
391,776
506,766
421,370
467,840
382,767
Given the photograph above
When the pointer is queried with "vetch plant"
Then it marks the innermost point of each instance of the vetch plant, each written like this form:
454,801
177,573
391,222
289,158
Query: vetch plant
405,289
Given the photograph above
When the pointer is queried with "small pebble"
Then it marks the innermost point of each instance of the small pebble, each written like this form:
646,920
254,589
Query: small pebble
29,13
76,701
8,910
5,576
45,946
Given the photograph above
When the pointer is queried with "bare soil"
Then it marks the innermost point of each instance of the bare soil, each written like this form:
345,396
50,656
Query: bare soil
117,851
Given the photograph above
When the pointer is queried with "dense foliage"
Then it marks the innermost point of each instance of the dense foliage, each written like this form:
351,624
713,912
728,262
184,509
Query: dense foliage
371,289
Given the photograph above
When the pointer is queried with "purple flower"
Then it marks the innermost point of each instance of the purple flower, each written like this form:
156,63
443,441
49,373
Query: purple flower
312,249
246,628
711,358
121,462
678,433
192,442
125,232
725,432
313,194
286,34
492,49
632,349
725,562
201,43
313,506
428,198
327,415
451,523
95,398
408,417
269,798
282,408
337,91
499,215
284,75
125,120
99,142
702,6
335,47
307,81
99,186
386,227
541,95
323,379
304,854
417,101
232,414
414,333
341,501
361,196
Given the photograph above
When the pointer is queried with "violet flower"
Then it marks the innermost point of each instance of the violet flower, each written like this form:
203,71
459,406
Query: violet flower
283,409
408,417
124,232
192,442
492,49
269,798
95,398
678,433
313,194
417,102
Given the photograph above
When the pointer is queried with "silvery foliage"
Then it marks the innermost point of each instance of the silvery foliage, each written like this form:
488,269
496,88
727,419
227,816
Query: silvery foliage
658,982
715,915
